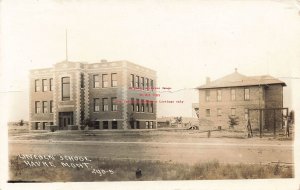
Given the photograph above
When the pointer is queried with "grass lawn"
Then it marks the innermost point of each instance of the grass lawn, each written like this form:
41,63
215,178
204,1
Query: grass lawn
174,135
125,170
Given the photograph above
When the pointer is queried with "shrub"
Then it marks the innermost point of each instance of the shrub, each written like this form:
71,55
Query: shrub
233,121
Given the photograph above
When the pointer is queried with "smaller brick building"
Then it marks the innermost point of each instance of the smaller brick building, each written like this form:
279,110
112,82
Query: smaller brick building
236,94
113,95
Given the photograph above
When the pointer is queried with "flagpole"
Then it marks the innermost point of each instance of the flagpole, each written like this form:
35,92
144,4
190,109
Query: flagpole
66,45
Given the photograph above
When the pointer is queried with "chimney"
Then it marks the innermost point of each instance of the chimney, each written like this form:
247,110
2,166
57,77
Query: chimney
207,80
103,61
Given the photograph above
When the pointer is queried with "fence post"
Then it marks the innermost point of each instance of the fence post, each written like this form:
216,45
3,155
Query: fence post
260,123
274,120
288,122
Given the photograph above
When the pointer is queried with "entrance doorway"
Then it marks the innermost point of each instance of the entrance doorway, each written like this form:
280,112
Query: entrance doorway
65,119
131,124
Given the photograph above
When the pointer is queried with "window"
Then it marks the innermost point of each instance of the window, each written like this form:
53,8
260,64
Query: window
137,105
45,109
151,83
51,84
137,81
131,80
232,94
147,84
104,80
45,85
147,124
97,124
151,124
207,111
132,104
207,95
51,106
96,104
151,106
104,104
247,93
219,95
44,125
219,112
143,83
105,124
142,106
114,124
96,83
37,107
81,80
246,113
65,88
37,85
233,111
114,106
37,125
114,81
147,105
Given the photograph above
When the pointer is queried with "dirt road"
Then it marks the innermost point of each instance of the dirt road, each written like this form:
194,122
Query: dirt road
164,151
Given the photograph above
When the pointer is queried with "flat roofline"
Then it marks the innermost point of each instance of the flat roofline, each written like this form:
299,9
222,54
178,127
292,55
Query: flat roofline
41,69
139,65
86,63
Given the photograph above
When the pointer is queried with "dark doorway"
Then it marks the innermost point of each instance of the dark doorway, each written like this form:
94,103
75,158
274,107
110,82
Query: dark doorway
97,124
44,125
138,124
65,119
105,124
114,124
132,124
36,125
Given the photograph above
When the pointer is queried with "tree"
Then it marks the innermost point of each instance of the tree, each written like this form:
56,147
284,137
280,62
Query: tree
292,117
178,120
87,122
21,122
233,121
168,123
131,119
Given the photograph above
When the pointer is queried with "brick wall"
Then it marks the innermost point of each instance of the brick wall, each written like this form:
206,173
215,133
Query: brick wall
260,97
274,99
81,102
40,96
226,104
140,94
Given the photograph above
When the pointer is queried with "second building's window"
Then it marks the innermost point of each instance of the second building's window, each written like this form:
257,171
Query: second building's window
96,105
114,81
104,80
105,104
114,106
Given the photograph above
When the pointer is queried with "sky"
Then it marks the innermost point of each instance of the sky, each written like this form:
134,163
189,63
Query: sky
184,41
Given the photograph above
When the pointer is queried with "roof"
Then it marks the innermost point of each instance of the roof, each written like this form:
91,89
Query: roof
236,79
